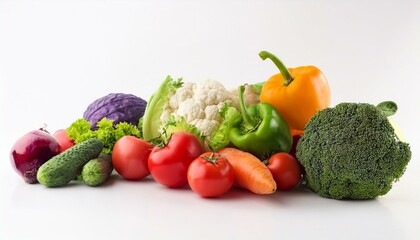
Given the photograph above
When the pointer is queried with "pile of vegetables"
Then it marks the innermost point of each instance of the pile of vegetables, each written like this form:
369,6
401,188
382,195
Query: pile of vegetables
266,137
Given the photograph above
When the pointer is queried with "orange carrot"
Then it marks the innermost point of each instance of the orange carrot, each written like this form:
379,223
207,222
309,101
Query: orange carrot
250,172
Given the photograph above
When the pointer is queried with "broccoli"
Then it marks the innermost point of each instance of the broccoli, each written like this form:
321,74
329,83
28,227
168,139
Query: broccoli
350,151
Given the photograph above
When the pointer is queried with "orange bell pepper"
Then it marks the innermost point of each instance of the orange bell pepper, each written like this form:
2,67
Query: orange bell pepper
297,93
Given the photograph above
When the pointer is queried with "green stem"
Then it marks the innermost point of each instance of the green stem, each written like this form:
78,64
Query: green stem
212,158
249,121
257,87
288,78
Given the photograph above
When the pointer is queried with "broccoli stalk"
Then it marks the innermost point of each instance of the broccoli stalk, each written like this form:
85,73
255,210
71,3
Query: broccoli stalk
351,151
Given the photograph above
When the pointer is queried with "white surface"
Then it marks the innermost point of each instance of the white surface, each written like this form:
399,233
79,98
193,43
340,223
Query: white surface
58,56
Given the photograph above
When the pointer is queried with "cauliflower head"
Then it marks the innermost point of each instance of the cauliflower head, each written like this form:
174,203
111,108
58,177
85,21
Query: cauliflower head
199,103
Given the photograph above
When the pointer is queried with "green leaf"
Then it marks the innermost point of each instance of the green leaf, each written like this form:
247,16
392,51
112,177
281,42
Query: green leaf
140,127
389,108
257,87
154,108
220,138
123,129
180,125
106,133
109,134
79,130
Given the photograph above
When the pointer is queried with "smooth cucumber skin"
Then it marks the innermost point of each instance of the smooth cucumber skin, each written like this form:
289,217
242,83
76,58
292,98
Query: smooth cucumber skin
61,169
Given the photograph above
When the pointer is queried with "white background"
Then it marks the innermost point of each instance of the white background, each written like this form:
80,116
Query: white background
56,57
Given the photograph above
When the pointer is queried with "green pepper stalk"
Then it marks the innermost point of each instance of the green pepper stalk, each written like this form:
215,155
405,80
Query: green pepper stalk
250,121
262,130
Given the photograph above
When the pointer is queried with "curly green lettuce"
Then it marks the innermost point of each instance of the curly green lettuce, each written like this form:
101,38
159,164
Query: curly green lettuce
108,134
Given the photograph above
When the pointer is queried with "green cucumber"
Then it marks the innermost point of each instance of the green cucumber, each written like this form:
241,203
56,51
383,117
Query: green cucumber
97,170
66,166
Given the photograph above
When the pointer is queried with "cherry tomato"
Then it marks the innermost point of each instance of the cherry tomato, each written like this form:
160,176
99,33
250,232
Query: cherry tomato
285,169
168,165
129,157
64,140
210,175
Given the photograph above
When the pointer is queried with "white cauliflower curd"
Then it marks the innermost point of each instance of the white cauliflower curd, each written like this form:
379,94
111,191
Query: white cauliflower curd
196,104
200,104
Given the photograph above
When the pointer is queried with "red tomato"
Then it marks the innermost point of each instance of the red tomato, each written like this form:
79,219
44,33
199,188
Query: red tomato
169,165
285,169
62,139
210,175
129,157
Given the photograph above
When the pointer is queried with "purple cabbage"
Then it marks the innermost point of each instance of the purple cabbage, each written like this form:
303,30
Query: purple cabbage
119,107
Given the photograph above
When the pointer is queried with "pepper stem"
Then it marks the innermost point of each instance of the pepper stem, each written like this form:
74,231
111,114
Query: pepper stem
288,78
249,121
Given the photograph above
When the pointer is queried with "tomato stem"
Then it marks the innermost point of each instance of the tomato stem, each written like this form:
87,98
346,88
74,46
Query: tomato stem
165,140
212,158
265,161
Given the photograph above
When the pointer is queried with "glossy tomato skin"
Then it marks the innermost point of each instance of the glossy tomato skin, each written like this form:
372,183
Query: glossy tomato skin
210,179
286,170
169,164
64,141
129,157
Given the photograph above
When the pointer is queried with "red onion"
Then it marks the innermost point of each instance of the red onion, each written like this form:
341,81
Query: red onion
31,151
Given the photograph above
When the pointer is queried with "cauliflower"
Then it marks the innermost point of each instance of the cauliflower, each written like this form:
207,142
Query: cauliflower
200,104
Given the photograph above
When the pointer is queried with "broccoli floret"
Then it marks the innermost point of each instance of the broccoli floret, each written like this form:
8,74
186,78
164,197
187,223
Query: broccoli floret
350,151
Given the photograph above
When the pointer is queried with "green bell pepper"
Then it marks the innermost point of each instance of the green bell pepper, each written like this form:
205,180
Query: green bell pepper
260,129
